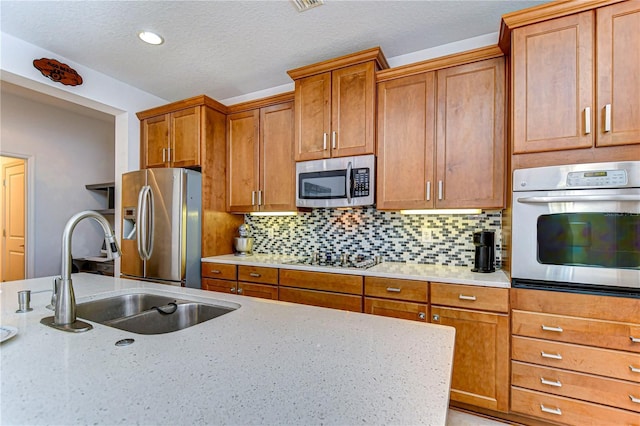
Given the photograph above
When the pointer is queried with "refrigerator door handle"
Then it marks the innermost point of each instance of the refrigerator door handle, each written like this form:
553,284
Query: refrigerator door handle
140,228
144,224
150,222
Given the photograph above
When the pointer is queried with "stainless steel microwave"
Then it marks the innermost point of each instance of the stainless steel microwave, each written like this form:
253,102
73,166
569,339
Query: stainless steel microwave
336,182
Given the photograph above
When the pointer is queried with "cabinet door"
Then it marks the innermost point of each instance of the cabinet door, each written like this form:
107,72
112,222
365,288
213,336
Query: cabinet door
222,286
277,167
406,135
552,79
313,117
345,302
396,309
470,143
481,357
155,141
242,165
353,110
258,290
618,74
185,138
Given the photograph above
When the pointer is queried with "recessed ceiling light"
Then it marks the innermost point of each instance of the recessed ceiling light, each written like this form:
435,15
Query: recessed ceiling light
151,38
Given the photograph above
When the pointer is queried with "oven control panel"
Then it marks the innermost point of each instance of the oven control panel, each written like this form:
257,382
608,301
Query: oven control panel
595,178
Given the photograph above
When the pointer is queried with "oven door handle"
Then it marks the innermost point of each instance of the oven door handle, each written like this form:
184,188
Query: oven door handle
577,198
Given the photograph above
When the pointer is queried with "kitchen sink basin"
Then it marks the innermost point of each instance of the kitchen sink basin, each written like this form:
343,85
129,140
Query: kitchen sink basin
145,313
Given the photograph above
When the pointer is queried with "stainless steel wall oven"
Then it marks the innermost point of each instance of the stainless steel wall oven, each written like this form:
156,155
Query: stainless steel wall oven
577,228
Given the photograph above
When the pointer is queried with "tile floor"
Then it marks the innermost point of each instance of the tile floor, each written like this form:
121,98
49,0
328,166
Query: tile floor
459,418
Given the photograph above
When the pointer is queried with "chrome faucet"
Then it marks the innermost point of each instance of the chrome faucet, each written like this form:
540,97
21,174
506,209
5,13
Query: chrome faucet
65,302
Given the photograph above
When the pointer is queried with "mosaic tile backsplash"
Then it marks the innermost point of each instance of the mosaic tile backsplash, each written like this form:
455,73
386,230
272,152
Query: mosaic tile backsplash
428,239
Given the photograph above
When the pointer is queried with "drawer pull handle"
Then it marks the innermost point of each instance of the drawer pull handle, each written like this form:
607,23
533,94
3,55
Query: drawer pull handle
464,297
393,289
634,339
255,274
555,383
634,369
215,271
556,329
634,399
556,411
552,356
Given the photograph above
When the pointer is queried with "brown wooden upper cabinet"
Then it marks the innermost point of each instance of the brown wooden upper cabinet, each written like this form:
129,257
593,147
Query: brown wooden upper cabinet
441,138
260,163
335,106
558,102
174,135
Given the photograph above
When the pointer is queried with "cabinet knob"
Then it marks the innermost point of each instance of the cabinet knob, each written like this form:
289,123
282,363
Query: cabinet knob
239,291
436,317
233,289
422,315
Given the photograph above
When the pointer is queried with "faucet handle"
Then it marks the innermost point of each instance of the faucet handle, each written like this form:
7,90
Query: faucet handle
54,295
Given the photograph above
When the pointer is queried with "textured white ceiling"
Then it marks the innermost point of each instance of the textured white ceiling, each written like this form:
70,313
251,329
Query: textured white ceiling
230,48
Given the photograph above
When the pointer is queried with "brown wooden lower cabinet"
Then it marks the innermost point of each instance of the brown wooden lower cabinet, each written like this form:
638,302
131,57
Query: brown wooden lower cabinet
263,291
346,302
223,286
481,357
397,309
568,411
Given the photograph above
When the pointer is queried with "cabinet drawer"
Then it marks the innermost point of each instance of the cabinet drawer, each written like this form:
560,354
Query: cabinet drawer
568,411
620,309
612,392
322,281
223,286
220,271
470,296
603,362
258,290
346,302
397,309
391,288
258,274
607,334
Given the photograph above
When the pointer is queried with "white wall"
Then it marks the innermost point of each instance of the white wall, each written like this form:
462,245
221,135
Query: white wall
98,92
67,151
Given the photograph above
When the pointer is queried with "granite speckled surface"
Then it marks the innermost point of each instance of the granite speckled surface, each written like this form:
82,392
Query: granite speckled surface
264,363
409,271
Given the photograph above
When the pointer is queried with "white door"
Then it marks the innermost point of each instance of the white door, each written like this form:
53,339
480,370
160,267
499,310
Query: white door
13,220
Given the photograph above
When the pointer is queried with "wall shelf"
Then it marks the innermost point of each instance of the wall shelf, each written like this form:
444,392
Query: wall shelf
109,189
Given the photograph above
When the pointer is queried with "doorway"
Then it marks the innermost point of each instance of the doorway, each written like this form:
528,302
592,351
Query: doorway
13,218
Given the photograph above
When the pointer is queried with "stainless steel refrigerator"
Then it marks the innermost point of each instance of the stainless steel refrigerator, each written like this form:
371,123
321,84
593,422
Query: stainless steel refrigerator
161,221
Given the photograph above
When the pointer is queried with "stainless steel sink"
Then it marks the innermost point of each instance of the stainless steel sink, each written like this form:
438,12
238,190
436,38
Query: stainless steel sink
145,313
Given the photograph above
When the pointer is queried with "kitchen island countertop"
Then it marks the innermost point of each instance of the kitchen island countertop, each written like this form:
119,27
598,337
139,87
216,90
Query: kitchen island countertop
408,271
264,363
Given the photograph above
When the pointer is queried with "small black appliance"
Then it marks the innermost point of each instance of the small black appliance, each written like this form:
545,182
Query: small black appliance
485,251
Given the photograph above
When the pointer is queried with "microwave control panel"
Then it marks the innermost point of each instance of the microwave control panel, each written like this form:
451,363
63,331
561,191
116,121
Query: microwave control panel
597,178
360,182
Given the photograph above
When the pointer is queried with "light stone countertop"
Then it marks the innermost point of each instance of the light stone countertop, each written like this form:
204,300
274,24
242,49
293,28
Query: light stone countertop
267,362
408,271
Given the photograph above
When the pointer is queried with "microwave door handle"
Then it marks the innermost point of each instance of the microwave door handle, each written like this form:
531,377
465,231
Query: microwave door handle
349,183
577,198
